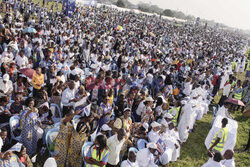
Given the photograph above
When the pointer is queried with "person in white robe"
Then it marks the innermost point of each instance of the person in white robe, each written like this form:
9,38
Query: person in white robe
173,141
215,161
228,159
131,161
145,157
186,122
153,135
166,155
188,87
223,111
242,66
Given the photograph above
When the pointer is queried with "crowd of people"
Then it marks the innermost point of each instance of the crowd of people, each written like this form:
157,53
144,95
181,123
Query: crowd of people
130,86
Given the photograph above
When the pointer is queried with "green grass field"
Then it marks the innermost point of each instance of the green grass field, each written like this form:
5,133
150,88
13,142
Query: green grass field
193,152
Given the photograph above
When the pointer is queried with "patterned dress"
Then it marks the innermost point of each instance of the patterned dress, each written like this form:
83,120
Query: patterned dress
29,131
62,143
74,154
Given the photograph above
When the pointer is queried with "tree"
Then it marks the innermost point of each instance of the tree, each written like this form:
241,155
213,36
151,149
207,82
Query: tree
168,12
120,3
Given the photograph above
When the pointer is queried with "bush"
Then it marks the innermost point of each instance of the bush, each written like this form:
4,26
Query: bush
120,3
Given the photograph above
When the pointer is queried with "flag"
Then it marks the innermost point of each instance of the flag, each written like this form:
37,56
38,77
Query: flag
17,147
86,110
161,146
69,7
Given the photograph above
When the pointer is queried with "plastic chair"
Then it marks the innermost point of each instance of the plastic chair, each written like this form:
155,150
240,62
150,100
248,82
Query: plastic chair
50,162
14,123
133,149
85,149
141,143
54,107
48,138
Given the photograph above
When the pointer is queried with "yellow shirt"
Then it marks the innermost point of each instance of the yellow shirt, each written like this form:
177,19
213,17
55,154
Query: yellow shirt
110,100
37,79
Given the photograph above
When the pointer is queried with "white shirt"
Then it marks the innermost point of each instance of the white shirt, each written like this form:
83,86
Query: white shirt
5,87
115,147
128,163
212,163
1,144
145,158
140,108
228,162
21,61
226,90
68,95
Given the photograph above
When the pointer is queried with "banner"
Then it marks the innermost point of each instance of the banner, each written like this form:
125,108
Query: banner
69,7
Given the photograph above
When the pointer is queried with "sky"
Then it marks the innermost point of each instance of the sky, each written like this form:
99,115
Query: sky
234,13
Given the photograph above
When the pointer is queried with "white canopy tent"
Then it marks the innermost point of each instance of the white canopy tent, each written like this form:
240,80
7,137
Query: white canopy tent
87,2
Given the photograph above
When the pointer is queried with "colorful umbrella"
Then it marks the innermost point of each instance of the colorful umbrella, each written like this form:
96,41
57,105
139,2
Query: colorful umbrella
235,101
28,72
30,30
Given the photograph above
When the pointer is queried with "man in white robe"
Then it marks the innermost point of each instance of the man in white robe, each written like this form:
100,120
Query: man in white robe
186,122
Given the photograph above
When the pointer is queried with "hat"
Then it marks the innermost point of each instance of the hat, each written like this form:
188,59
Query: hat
164,122
105,127
155,124
145,126
6,77
149,98
44,104
152,145
127,109
118,123
167,115
163,99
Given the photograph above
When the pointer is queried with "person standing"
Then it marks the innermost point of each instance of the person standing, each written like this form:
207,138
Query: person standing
226,91
220,138
68,97
37,82
238,91
62,140
30,122
115,144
